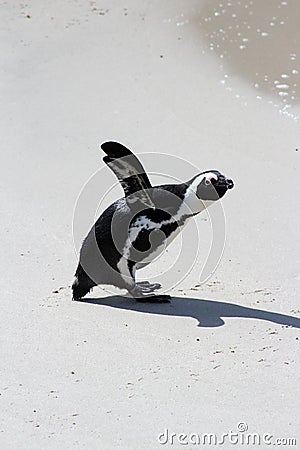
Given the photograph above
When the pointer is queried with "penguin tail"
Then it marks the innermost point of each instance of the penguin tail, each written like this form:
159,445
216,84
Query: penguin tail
82,284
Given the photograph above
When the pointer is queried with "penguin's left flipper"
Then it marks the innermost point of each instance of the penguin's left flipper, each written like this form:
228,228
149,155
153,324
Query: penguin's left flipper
129,171
153,299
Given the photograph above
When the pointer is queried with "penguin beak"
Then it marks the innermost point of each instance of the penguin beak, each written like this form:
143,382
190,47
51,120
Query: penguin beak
229,183
224,182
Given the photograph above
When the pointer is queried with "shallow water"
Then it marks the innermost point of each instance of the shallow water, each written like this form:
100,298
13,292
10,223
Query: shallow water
258,41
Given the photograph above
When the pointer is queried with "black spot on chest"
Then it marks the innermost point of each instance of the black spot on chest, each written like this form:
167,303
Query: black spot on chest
149,239
154,215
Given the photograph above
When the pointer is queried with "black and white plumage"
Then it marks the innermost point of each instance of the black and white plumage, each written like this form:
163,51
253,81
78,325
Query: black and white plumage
135,229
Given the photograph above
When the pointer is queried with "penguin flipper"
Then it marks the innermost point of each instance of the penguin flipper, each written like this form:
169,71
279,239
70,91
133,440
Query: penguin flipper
129,171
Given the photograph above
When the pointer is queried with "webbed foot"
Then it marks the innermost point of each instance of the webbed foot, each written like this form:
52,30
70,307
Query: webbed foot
142,294
145,286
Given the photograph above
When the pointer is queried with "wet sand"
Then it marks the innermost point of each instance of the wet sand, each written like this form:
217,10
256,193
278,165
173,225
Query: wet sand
108,373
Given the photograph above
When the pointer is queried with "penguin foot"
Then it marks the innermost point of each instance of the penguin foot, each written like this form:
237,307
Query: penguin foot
142,295
145,286
153,299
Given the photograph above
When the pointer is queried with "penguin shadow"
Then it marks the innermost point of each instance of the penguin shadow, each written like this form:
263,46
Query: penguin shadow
208,313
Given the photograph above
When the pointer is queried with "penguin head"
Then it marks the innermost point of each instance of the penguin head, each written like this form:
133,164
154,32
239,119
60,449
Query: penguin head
211,185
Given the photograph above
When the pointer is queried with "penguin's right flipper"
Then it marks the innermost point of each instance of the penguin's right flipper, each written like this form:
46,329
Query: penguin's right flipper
129,172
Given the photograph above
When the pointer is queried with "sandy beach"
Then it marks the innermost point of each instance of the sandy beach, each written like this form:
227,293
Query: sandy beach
109,373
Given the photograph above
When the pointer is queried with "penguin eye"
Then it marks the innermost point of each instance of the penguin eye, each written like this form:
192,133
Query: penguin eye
207,182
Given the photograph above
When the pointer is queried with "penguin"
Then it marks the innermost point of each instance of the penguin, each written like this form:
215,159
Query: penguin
138,227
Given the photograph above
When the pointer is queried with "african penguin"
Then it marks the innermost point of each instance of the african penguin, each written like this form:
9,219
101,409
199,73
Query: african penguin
135,229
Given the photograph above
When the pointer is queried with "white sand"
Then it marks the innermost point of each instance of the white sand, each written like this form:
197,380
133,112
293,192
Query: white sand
113,374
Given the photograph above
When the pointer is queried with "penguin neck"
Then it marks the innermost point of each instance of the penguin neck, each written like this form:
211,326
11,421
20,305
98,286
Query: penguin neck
194,204
191,202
